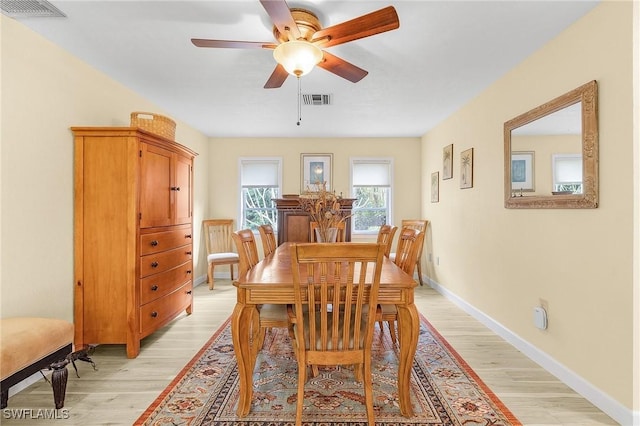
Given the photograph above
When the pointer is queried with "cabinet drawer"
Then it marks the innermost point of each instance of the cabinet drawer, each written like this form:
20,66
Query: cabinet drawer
160,262
161,241
157,285
155,314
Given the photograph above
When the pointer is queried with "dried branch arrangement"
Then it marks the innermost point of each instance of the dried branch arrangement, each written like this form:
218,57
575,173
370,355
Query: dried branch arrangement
324,208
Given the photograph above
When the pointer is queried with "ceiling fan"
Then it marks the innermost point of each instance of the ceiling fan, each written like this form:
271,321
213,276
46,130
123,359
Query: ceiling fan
301,38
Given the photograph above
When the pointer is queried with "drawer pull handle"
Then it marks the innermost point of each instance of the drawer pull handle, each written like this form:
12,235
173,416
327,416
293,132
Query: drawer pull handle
189,253
189,292
154,265
175,188
154,288
188,271
154,314
154,243
187,236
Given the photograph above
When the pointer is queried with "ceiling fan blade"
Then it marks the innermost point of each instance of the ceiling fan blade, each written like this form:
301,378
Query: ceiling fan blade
277,78
280,14
364,26
342,68
201,42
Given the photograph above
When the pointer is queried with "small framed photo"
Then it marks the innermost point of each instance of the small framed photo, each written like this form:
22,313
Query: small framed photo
466,168
315,170
522,171
435,187
447,162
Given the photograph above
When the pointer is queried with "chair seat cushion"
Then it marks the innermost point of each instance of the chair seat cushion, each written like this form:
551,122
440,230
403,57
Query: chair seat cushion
25,340
223,257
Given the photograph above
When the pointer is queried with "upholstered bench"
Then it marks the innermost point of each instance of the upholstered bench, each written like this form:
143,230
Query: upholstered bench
28,345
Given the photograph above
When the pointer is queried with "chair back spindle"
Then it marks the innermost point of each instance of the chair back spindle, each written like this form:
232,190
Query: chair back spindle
247,249
268,238
385,236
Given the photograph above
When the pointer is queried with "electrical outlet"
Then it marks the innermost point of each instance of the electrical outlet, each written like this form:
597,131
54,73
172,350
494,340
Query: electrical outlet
430,257
540,317
437,260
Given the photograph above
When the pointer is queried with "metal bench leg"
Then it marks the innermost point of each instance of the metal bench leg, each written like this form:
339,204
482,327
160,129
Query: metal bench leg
59,382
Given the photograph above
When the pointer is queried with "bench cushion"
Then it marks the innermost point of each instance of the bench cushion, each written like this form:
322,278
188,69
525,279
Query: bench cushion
24,340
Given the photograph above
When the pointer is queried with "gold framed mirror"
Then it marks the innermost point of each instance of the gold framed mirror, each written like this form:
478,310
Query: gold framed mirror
551,153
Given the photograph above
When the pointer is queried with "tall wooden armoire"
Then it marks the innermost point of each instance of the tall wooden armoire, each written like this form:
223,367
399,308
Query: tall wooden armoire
133,234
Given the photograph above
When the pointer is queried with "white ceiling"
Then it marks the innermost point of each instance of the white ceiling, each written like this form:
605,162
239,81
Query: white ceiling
443,54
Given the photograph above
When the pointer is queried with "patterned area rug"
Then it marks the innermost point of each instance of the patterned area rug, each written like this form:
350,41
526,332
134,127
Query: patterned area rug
445,391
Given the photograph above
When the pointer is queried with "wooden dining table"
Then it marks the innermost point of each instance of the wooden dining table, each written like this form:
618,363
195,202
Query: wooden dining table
271,281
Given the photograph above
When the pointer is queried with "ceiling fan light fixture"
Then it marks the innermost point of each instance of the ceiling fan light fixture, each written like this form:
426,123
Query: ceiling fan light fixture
298,57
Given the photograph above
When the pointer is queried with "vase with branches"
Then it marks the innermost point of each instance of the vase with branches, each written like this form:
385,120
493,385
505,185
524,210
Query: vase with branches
324,208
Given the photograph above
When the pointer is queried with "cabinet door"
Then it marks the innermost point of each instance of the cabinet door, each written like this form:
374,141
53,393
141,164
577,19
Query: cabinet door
155,186
295,226
183,190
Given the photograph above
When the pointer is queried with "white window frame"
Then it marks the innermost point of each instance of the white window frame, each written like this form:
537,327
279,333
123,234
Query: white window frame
248,160
390,186
557,158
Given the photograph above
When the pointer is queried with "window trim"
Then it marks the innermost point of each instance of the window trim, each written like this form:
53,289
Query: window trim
254,159
557,158
379,160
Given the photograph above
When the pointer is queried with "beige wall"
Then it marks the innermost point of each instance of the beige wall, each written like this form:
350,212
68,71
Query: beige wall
577,263
45,90
224,162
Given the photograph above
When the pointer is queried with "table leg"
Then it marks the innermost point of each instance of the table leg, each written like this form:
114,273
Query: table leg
241,329
409,325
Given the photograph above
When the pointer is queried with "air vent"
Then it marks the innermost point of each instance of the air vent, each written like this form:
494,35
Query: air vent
309,99
30,9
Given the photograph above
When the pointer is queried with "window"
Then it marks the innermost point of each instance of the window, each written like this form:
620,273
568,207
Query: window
567,173
371,186
260,181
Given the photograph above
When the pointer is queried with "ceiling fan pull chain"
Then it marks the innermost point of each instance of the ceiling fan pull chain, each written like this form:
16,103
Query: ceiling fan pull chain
299,97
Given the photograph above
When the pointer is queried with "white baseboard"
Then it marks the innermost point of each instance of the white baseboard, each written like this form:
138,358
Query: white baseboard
202,279
604,402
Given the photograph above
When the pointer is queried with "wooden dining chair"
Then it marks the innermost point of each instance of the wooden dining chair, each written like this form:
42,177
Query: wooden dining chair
409,242
385,236
420,225
268,238
333,319
270,315
217,234
341,232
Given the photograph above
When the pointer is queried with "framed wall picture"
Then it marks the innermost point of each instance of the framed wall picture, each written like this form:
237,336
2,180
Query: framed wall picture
447,162
435,187
466,168
522,171
315,170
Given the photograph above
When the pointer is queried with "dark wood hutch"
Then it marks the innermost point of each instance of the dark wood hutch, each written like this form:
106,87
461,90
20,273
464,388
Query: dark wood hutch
293,222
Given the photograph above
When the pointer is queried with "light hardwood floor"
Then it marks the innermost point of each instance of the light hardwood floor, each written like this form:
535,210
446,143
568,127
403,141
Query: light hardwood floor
121,389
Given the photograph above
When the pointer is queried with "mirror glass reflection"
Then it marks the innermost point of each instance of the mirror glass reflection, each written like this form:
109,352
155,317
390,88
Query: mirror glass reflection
546,154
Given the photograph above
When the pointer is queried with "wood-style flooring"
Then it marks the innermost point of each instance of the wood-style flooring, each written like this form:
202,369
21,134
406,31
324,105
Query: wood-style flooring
121,389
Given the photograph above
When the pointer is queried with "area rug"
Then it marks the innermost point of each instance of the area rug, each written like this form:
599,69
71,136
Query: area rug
444,389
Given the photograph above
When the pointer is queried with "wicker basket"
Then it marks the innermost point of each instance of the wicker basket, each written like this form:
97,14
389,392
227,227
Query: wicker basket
154,123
